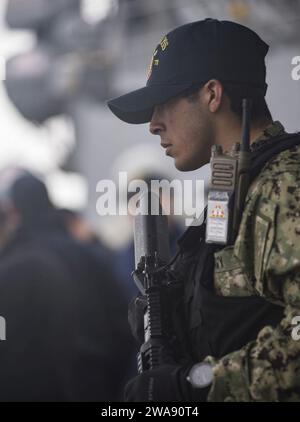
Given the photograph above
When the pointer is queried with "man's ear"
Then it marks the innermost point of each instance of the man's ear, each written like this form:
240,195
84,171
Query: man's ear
213,94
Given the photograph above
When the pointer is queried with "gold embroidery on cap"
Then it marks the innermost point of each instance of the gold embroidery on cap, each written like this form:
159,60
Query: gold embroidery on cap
151,64
164,43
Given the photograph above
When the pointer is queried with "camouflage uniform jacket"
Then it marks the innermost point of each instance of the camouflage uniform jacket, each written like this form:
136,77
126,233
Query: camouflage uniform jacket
264,261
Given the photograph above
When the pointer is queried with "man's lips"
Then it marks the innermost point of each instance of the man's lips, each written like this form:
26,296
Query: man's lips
167,147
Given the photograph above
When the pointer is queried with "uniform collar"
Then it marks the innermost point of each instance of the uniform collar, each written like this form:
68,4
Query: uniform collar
271,131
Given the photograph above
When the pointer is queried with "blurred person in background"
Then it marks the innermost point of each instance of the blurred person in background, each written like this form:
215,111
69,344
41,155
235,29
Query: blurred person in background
67,336
80,230
77,227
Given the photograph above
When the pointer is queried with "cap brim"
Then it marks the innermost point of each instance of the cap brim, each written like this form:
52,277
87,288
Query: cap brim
137,106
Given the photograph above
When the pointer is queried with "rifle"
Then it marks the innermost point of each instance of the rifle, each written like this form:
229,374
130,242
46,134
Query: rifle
158,284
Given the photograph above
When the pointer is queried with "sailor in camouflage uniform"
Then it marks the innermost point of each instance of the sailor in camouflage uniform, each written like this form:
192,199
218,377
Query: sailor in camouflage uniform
265,261
240,300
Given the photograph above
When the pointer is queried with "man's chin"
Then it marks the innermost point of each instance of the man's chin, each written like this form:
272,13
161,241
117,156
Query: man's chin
185,166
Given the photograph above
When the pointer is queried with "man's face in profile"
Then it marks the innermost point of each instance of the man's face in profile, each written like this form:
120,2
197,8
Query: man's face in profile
185,129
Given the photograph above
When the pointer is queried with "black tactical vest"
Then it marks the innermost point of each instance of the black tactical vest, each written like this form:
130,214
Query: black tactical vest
218,325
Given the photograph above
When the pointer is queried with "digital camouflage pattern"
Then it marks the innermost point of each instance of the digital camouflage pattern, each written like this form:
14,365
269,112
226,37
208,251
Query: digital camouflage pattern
265,261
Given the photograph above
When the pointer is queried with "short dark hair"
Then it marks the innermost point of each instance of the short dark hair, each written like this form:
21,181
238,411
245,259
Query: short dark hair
236,93
259,108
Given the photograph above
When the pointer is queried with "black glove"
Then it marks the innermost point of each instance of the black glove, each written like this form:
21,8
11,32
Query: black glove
165,384
136,311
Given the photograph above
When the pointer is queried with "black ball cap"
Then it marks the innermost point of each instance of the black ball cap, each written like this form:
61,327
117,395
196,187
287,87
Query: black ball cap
193,54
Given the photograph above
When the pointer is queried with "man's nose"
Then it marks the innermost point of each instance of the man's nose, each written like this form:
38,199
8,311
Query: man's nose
156,125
